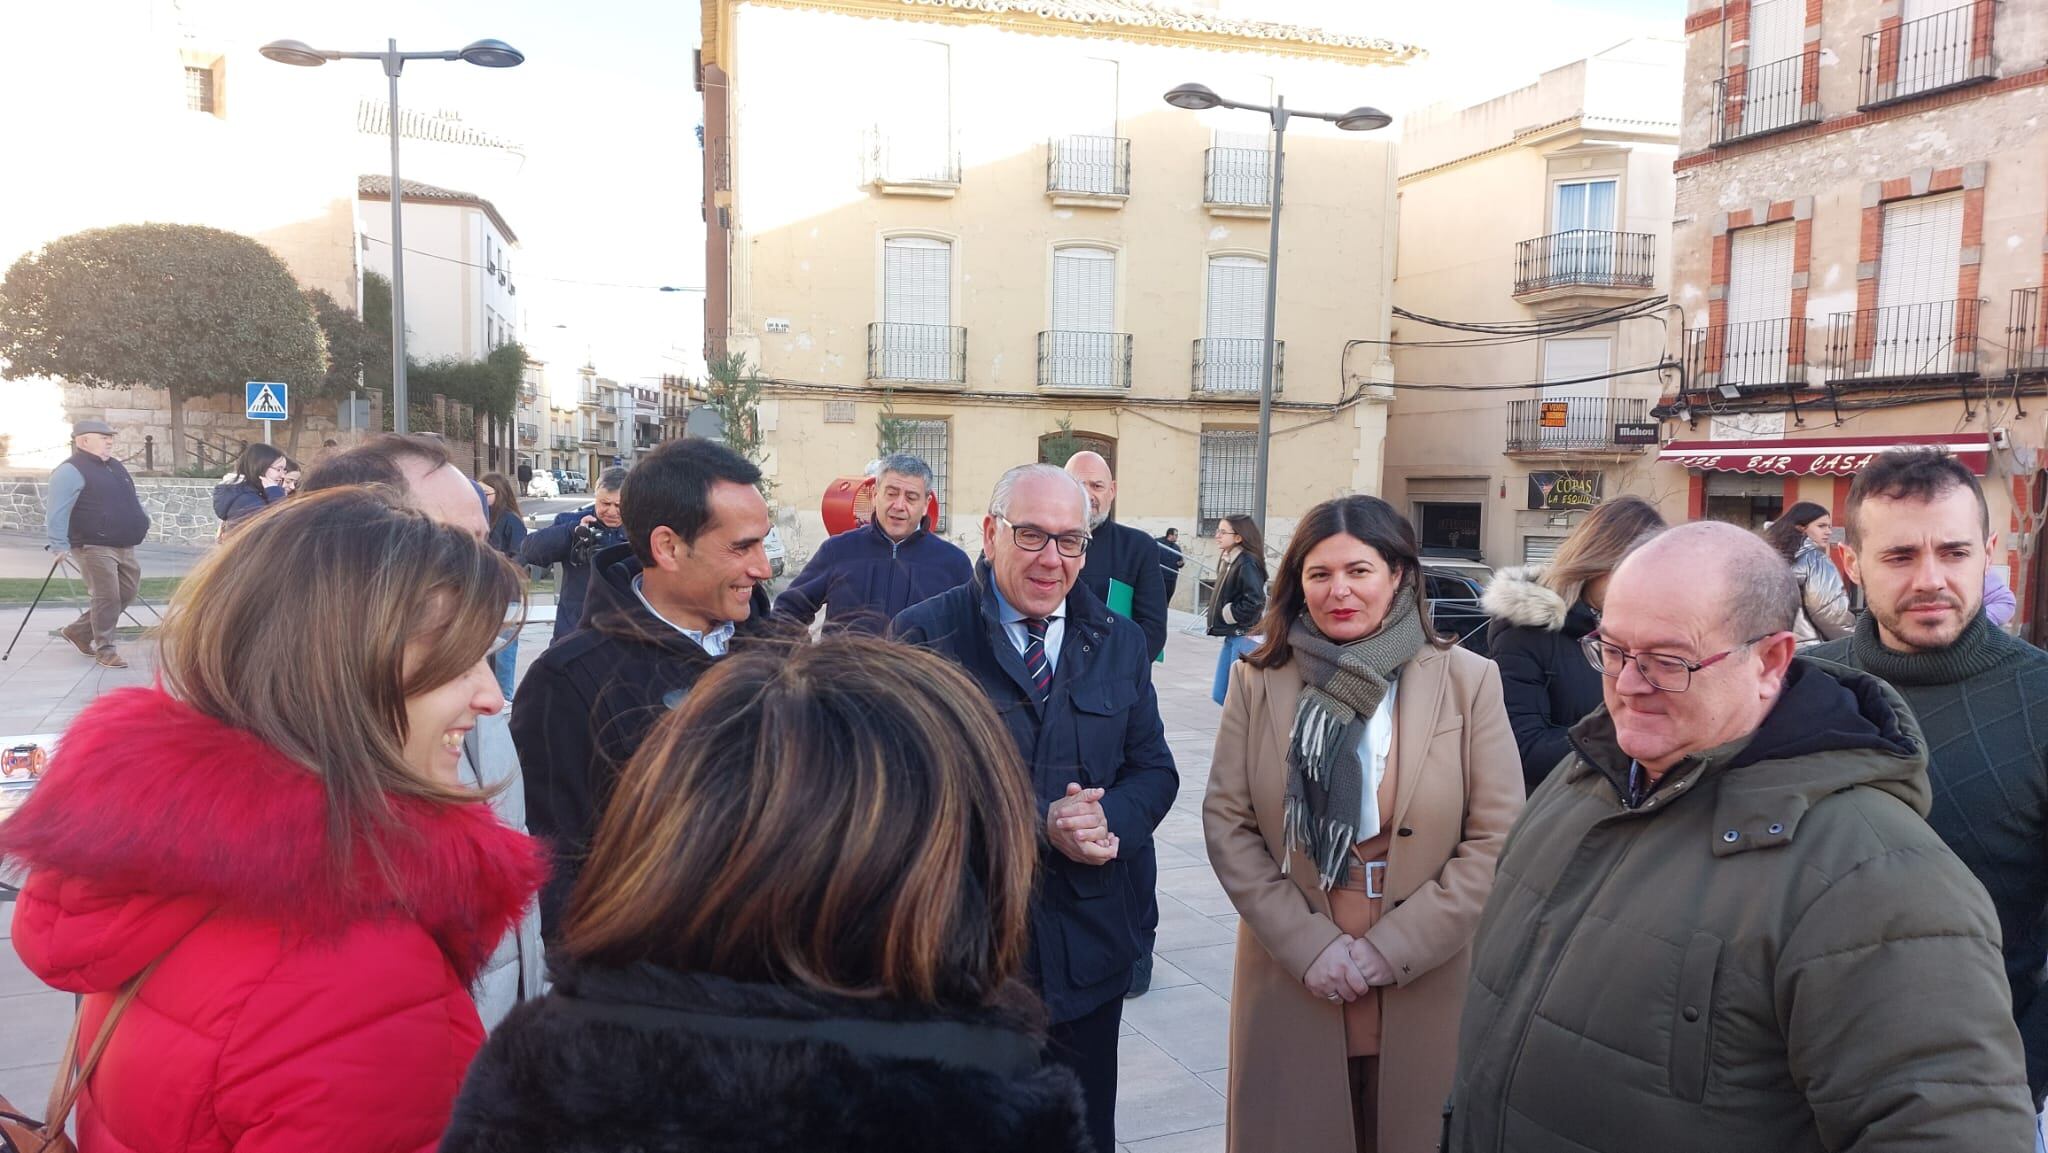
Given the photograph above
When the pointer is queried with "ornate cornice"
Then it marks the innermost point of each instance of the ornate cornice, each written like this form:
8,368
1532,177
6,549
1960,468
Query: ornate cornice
1136,21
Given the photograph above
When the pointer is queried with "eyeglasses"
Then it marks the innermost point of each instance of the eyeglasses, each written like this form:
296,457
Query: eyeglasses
1665,672
1031,538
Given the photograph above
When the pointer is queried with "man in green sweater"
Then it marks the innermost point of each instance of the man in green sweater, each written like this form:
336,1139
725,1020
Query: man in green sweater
1918,532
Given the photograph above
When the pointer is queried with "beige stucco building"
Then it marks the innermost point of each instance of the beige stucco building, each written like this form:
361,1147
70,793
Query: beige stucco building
1544,214
165,118
1861,239
984,216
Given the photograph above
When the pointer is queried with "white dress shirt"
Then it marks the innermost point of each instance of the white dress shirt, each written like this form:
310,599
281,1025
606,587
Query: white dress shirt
712,641
1372,757
1020,636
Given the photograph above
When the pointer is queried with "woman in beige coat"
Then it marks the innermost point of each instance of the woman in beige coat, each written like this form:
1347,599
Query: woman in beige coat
1363,781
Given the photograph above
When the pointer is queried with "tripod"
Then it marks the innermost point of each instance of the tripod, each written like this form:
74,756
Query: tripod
32,609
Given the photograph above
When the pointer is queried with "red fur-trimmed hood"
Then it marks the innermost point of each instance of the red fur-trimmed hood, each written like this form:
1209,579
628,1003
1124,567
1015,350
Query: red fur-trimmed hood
152,816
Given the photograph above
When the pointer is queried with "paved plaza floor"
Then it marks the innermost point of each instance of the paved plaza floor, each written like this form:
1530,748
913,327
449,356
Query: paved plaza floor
1174,1044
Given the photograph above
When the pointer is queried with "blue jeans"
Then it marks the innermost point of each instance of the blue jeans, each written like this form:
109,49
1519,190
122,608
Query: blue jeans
506,665
1232,646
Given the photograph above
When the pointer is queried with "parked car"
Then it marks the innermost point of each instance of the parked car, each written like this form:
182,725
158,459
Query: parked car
543,485
1453,587
777,557
572,481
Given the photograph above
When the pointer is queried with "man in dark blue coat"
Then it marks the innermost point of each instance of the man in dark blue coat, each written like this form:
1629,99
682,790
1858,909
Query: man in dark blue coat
664,607
1121,555
559,544
864,577
1074,684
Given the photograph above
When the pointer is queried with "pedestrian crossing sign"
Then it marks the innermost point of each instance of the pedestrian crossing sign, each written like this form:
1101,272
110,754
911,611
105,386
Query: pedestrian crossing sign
268,400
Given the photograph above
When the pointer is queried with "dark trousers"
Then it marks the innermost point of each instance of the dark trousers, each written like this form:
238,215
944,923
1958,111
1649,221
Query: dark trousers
1087,1045
1143,876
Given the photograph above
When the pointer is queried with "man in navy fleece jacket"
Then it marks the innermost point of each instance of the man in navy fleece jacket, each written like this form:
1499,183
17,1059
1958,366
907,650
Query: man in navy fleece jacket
864,577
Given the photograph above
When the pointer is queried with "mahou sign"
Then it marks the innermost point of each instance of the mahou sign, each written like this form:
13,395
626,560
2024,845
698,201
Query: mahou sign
1814,456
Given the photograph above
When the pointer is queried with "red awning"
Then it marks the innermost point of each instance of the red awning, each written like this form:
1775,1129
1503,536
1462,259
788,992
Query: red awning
1815,456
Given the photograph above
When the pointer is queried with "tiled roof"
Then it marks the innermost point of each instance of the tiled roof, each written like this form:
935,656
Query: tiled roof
378,187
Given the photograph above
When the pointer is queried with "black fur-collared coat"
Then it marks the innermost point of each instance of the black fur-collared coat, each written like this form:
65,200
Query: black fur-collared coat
652,1060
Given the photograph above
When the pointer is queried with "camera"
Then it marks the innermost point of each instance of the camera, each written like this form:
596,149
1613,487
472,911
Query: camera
583,544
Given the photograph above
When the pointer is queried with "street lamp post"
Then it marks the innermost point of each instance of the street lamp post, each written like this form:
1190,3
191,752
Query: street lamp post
484,54
1196,97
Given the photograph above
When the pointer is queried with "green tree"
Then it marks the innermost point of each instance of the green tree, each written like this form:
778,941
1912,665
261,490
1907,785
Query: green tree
892,433
734,393
1057,450
194,311
353,349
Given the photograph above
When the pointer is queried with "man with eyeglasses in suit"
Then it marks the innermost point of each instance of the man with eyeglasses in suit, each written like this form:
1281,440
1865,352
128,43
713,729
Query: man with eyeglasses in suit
1073,683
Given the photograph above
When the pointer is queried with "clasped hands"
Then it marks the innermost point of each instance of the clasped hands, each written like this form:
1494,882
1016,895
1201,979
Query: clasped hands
1346,968
1078,828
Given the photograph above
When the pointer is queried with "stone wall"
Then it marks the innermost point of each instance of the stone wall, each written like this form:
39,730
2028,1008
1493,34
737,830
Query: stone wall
180,510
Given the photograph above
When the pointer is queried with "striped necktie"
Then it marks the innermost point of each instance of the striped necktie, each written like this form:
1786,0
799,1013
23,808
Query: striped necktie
1035,662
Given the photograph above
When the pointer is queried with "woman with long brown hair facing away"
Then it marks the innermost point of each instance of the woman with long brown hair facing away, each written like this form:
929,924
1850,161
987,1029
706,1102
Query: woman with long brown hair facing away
1363,781
1540,612
267,860
799,929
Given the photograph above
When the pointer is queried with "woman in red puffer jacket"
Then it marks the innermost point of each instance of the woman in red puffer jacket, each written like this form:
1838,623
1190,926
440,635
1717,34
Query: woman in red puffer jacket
280,821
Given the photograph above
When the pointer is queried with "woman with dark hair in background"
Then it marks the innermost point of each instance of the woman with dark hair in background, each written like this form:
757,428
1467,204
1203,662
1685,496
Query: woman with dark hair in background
258,484
508,532
1240,597
1539,613
1801,537
800,928
269,860
1363,782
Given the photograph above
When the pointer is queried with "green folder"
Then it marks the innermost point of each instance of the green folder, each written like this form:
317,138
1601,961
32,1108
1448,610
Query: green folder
1120,598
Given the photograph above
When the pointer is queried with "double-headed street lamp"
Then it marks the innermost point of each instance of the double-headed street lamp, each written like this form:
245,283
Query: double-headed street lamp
484,54
1197,98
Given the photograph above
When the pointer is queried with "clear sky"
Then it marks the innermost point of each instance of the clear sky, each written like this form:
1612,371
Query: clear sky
607,112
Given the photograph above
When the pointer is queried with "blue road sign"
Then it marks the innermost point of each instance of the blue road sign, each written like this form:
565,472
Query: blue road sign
268,400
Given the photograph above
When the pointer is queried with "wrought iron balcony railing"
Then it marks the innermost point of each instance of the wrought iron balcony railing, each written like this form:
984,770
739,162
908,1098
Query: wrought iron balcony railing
1084,359
1585,425
1585,258
1767,98
1088,165
917,352
1235,365
1905,342
1239,176
2027,335
1945,50
1754,355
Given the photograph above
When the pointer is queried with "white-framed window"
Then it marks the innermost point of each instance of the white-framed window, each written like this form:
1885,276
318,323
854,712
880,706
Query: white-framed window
1919,267
1757,343
931,440
1583,215
1933,53
1575,359
916,341
1087,156
914,138
1227,475
1083,349
1774,78
200,95
1234,324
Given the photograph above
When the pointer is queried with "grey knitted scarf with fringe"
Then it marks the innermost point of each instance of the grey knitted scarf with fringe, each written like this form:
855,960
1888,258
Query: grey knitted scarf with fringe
1343,685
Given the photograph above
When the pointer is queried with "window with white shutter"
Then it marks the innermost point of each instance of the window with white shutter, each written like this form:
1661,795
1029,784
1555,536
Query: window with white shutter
1934,44
1918,273
1756,344
1086,155
1774,77
916,334
1575,360
1082,349
1234,332
1229,459
914,141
